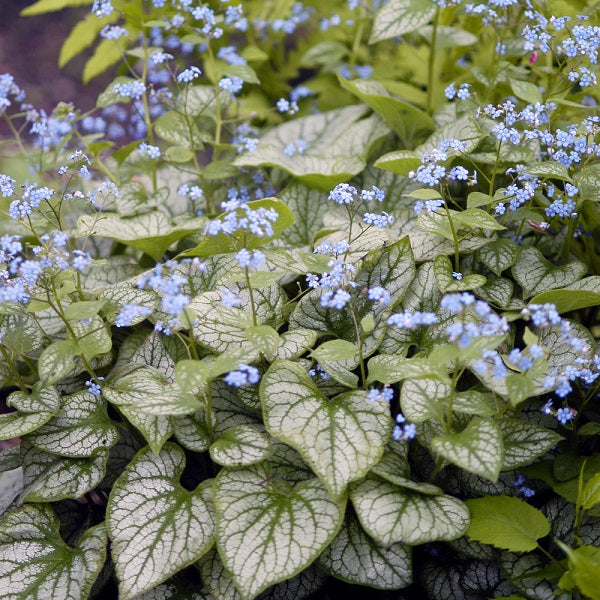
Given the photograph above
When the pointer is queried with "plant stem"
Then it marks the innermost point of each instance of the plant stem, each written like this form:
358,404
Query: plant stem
455,238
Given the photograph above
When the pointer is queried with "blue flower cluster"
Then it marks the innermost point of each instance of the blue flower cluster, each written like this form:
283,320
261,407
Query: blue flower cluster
240,217
244,375
431,172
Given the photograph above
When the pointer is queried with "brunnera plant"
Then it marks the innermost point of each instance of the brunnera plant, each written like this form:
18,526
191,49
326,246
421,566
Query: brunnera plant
307,305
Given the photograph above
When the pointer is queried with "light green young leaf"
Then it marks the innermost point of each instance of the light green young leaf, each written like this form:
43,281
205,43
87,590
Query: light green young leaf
525,90
85,309
49,478
173,127
591,493
506,522
38,564
398,17
584,568
156,526
447,283
523,442
106,54
338,143
475,218
92,338
191,375
57,361
341,438
536,275
335,350
269,531
80,427
401,162
390,514
221,243
151,233
355,557
581,294
477,449
408,121
264,338
387,369
81,36
147,389
240,446
45,6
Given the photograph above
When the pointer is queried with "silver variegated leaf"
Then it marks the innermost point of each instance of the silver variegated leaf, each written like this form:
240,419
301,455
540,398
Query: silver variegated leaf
341,438
338,142
222,329
499,255
240,446
536,275
477,449
41,399
192,432
268,531
14,425
295,342
307,206
421,399
355,557
156,526
49,478
147,389
156,429
35,563
390,514
80,427
523,442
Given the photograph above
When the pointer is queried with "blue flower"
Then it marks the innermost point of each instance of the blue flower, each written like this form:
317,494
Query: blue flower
244,375
189,75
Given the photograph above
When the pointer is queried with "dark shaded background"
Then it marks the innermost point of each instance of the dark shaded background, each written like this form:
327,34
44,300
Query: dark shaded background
29,48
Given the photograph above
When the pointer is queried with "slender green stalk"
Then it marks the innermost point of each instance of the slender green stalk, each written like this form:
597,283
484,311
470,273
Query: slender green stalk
431,64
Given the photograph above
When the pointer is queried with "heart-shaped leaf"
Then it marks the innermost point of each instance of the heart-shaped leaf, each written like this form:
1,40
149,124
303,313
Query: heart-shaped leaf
49,478
447,283
477,449
151,233
337,144
240,446
499,255
156,526
268,531
80,427
523,442
36,562
146,389
536,275
392,514
341,438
